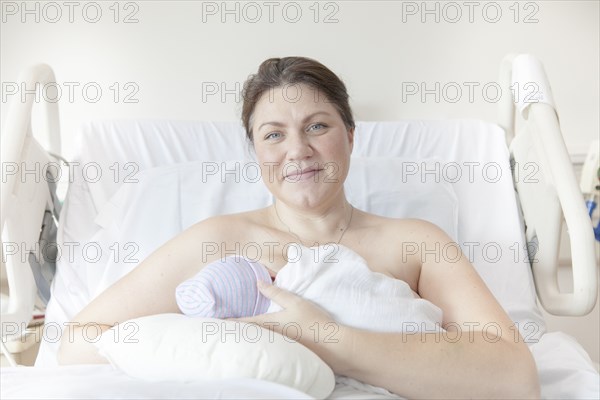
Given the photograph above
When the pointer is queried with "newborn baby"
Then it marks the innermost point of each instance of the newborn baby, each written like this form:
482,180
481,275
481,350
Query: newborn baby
337,279
225,288
334,277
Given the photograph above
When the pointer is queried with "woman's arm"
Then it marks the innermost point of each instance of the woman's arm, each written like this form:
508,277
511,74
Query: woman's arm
481,355
146,290
451,365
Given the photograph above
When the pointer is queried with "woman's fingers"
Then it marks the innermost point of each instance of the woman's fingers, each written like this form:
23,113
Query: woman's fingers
280,296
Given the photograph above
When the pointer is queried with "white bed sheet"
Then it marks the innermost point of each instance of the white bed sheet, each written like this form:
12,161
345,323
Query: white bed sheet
104,382
488,213
564,370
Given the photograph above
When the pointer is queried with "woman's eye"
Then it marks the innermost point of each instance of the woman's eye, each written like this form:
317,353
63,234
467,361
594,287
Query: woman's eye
315,127
272,135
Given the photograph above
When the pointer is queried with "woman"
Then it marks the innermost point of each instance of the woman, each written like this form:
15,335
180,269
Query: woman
297,116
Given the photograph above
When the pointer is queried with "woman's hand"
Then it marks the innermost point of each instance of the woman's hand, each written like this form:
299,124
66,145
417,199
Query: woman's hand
302,321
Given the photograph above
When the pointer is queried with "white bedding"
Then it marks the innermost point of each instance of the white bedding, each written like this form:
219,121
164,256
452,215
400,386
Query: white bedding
486,217
104,382
564,370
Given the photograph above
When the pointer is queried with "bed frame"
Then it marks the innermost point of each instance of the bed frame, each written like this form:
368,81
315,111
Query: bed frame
554,196
544,201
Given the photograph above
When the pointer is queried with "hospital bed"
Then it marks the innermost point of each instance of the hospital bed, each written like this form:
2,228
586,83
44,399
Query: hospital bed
499,191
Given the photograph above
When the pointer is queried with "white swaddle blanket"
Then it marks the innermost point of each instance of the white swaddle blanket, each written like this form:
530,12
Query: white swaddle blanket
339,280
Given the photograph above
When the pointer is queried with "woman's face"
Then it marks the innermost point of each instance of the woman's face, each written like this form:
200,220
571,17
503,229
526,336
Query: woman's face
302,145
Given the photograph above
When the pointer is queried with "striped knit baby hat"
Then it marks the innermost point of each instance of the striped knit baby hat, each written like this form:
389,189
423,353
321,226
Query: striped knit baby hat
225,288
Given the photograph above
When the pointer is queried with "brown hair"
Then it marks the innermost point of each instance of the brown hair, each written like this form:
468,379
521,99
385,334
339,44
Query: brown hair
277,72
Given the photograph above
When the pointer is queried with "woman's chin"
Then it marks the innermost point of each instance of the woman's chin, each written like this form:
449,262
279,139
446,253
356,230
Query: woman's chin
311,200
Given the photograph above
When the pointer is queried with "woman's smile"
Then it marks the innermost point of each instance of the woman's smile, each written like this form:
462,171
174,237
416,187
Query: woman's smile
302,174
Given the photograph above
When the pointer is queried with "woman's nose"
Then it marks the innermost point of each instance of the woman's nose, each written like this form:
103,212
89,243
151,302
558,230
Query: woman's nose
299,147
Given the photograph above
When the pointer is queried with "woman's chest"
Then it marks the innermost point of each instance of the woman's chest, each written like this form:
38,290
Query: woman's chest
275,255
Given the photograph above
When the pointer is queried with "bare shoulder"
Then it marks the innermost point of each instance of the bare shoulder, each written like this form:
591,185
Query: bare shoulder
397,230
413,228
218,235
412,238
226,227
393,245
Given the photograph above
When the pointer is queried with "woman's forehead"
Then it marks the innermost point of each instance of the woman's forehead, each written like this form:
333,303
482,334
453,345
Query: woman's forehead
295,101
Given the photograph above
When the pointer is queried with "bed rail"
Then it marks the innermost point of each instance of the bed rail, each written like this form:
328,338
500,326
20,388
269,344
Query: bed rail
25,198
551,192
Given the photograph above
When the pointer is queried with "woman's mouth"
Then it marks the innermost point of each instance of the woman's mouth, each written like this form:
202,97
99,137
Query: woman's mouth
302,175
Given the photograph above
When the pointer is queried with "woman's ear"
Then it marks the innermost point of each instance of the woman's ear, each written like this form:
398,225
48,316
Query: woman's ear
351,138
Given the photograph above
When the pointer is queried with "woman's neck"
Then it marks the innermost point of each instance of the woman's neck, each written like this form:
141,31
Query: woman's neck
312,227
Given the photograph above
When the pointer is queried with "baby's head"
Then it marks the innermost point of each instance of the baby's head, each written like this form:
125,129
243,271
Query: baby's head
225,288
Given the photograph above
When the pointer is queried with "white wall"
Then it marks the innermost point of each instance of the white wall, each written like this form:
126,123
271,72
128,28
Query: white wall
170,53
176,50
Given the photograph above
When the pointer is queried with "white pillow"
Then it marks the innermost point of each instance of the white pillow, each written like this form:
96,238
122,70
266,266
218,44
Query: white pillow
196,190
177,348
